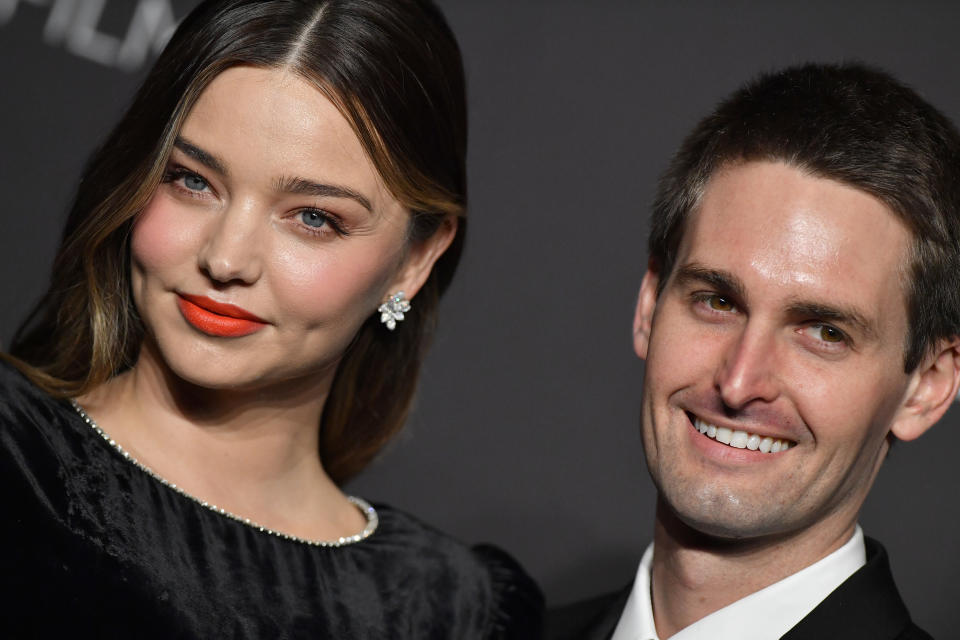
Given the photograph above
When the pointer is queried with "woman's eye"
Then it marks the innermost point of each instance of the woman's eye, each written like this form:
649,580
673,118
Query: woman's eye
313,218
194,182
191,183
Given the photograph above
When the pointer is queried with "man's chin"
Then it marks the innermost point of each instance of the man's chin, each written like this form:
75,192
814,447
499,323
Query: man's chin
718,518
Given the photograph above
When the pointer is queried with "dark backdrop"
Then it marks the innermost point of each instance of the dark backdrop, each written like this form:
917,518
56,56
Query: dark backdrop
526,428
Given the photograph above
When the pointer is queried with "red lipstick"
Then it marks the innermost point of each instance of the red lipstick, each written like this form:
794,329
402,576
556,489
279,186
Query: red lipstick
218,318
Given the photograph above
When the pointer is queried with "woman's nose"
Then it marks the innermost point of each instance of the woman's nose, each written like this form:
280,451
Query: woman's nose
233,248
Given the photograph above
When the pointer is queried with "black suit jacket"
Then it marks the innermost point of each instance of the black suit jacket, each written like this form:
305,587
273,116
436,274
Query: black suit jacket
867,606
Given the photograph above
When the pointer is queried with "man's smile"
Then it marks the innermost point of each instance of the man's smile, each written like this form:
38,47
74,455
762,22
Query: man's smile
739,439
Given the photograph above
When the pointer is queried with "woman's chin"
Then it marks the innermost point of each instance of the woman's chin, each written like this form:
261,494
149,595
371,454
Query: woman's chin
238,376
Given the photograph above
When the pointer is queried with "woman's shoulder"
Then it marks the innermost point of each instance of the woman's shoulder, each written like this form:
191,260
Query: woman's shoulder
34,426
467,574
12,381
39,450
43,441
519,604
22,403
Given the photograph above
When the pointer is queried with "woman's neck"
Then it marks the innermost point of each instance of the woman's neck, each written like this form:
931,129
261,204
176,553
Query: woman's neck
254,452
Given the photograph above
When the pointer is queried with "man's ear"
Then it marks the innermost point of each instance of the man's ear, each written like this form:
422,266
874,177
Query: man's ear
646,303
421,257
933,387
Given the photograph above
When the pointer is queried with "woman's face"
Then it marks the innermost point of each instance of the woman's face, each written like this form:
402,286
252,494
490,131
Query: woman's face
271,239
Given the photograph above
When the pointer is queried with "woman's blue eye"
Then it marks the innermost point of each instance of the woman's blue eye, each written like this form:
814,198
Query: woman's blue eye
194,182
313,218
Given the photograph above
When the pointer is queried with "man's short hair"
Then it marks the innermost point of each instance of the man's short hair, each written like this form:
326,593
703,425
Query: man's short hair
853,124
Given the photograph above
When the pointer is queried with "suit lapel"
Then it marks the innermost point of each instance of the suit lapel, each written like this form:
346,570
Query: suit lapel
867,606
593,619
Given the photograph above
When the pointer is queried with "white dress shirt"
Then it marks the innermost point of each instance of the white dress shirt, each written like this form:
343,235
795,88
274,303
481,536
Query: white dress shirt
763,615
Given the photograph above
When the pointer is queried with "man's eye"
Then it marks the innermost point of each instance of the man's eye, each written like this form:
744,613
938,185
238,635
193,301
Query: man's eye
719,303
826,335
829,334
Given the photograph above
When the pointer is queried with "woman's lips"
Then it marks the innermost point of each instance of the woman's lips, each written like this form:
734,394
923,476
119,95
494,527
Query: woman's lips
218,318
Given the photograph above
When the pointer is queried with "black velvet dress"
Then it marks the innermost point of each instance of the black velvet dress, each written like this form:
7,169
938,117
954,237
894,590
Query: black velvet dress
94,547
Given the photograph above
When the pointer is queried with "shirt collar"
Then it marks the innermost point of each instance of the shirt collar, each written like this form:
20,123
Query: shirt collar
636,621
768,613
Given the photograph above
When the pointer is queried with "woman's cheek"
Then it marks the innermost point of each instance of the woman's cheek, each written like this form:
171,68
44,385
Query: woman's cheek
324,284
162,235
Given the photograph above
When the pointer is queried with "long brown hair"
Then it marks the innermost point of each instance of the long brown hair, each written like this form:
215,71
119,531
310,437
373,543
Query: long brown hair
394,70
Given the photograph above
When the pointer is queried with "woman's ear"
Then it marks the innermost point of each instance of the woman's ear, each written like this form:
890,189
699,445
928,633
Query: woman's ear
933,387
421,257
646,303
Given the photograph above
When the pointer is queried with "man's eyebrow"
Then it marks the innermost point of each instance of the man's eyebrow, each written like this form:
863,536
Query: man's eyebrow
726,282
835,314
303,187
722,281
205,158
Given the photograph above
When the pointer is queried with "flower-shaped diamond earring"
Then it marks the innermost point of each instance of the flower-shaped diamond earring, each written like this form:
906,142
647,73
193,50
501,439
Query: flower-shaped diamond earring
391,311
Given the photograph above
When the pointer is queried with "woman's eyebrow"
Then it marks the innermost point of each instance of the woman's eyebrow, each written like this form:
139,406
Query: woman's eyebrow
205,158
297,186
304,187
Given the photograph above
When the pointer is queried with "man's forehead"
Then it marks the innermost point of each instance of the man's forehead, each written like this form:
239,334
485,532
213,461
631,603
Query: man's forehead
774,207
772,225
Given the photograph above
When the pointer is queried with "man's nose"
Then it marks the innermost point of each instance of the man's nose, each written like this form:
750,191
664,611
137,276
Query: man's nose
748,371
233,248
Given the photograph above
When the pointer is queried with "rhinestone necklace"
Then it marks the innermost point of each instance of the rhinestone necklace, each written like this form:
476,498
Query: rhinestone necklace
368,511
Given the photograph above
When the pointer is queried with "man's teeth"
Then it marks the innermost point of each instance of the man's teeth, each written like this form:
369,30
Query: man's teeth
742,439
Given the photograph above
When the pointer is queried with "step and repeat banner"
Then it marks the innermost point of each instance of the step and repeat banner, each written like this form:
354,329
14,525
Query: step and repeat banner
525,430
80,27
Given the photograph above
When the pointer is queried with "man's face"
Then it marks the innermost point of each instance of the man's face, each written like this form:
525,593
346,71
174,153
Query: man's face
782,324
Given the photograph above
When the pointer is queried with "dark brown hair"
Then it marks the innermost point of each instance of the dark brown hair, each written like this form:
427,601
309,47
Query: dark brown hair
394,70
855,125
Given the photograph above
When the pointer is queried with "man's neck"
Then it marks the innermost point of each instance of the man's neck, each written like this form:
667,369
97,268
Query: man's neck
694,575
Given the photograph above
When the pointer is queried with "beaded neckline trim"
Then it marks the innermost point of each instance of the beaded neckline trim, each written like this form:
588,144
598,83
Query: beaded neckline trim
368,511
